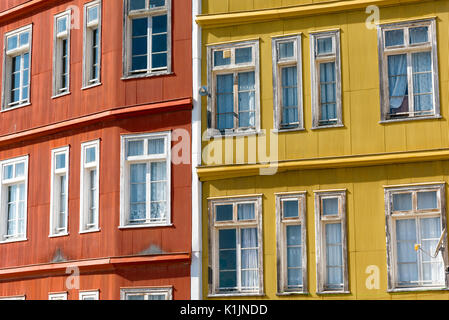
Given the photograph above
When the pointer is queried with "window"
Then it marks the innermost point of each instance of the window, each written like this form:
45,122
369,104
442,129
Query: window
89,295
89,186
408,70
287,82
13,298
61,53
236,263
326,79
147,37
92,43
145,200
57,296
291,242
233,75
59,191
415,215
330,219
146,294
14,176
16,68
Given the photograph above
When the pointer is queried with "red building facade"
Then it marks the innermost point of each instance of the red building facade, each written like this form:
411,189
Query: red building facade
94,149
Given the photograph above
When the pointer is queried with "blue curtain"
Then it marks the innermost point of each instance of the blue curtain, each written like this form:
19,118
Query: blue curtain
397,80
419,35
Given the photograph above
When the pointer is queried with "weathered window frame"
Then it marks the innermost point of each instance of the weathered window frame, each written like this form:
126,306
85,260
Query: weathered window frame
22,297
214,227
278,64
315,61
391,217
88,45
95,294
56,230
86,187
407,49
5,183
57,296
8,55
235,69
58,38
281,245
320,222
125,164
149,291
128,73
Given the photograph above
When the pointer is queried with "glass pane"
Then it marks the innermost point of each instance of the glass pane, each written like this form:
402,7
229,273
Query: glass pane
289,95
246,87
227,239
20,170
427,200
419,35
159,24
406,256
138,173
92,14
397,82
135,148
430,229
324,46
394,38
330,206
26,61
8,171
24,38
286,50
249,238
159,43
157,297
12,42
402,201
157,3
61,24
293,235
60,161
135,297
90,154
139,63
224,212
290,208
156,146
219,60
228,279
294,277
137,4
140,27
139,46
333,233
225,101
159,60
243,55
158,171
245,211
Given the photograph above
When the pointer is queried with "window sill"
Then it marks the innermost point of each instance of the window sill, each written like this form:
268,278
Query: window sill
234,134
242,294
146,75
17,107
417,289
293,293
288,130
90,231
410,119
328,126
333,292
146,226
97,84
58,235
13,240
61,95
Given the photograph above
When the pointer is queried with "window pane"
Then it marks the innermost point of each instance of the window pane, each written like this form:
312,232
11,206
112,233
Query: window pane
157,3
159,24
397,82
330,206
324,45
227,258
62,24
394,38
427,200
60,161
246,87
92,14
135,148
328,92
8,171
140,27
137,4
20,170
225,101
24,38
402,201
135,297
293,235
138,191
90,154
245,211
227,239
422,81
406,256
12,42
159,60
294,277
334,255
250,261
159,43
289,95
156,146
290,208
333,233
219,60
224,212
286,50
243,55
419,35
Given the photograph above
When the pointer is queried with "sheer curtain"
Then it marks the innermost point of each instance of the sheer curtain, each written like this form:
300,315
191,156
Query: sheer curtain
334,255
397,81
289,95
407,257
225,101
245,211
294,256
328,91
422,81
249,259
247,106
432,268
138,191
158,190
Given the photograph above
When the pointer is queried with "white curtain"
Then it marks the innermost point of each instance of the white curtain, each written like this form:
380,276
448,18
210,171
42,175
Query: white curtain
286,50
328,91
158,190
407,256
397,80
402,201
135,148
330,206
289,95
249,258
334,255
245,211
225,101
422,81
324,45
246,87
156,146
433,270
138,191
427,200
294,255
419,35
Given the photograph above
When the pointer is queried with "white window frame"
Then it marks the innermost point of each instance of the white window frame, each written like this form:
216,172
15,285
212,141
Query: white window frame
320,221
216,226
95,294
4,202
392,217
235,69
281,244
7,65
125,176
57,296
58,38
146,292
408,49
315,61
278,64
88,28
13,298
85,187
127,39
55,196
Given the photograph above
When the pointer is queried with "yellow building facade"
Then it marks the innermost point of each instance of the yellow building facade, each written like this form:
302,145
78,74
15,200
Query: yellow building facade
325,149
